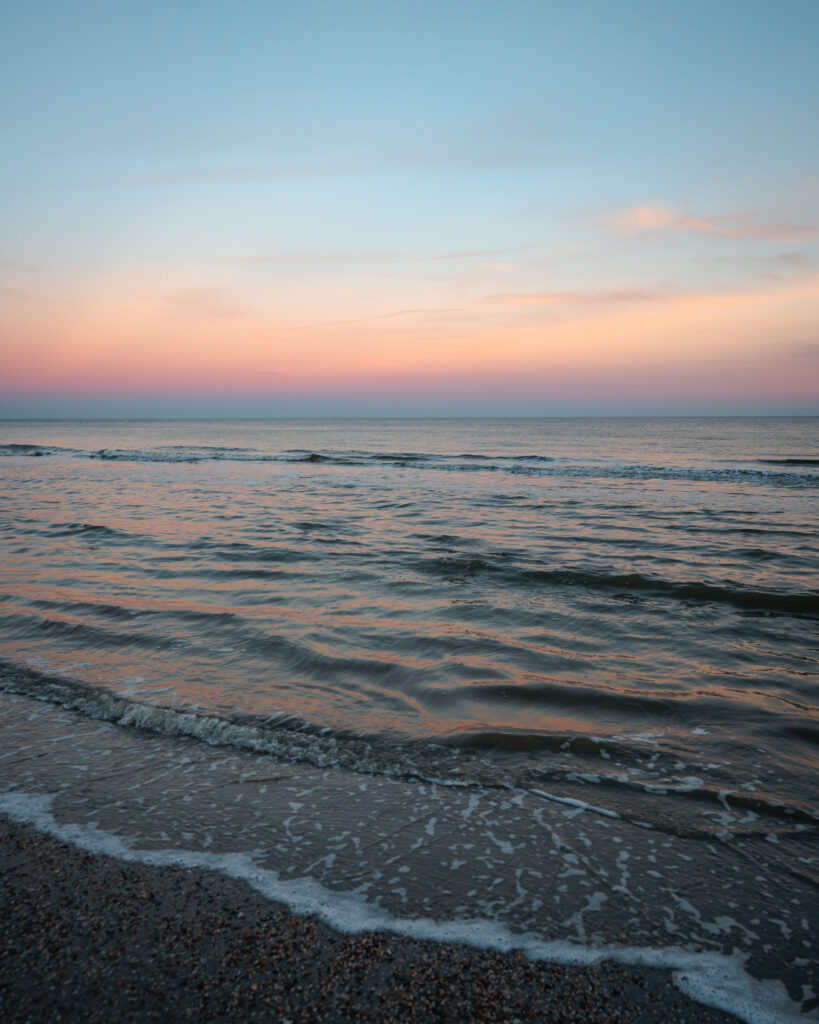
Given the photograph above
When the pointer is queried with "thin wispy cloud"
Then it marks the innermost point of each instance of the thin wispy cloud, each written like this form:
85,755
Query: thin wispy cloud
244,173
449,194
469,254
645,219
493,143
366,319
314,258
805,350
524,299
205,303
12,266
796,259
420,160
376,257
498,143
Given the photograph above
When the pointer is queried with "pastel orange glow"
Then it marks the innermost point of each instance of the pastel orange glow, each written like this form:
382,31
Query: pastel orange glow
325,231
534,342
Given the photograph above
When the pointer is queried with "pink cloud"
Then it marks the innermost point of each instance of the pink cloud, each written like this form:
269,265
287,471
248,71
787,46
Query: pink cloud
638,220
602,298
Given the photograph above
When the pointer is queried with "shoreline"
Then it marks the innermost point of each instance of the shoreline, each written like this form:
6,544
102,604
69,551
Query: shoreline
85,937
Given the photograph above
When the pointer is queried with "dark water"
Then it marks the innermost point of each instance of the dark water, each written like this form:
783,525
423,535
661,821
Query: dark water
599,635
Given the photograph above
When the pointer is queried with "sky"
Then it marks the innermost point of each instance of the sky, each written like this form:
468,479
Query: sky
449,208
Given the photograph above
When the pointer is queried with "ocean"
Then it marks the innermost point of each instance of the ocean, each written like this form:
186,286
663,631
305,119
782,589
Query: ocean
547,684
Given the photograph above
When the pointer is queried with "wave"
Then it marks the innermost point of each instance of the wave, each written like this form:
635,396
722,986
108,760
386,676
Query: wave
462,569
516,465
38,449
179,453
791,462
712,978
280,734
239,560
459,760
94,530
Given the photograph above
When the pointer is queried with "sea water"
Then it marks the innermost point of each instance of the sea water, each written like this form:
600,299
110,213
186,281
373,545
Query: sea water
544,684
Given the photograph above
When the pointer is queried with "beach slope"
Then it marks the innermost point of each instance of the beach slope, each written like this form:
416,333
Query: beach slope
88,938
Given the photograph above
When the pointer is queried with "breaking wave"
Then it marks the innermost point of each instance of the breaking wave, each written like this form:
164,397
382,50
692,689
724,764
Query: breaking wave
458,760
519,465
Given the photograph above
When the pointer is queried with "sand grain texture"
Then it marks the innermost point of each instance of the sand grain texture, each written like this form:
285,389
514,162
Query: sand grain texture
88,938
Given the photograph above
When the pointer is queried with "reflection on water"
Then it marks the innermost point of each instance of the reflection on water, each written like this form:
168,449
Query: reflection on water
348,577
615,617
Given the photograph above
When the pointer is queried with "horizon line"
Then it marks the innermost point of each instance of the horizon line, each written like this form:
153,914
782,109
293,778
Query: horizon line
565,416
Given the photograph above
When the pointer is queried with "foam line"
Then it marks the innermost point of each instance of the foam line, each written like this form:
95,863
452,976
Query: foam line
713,979
581,804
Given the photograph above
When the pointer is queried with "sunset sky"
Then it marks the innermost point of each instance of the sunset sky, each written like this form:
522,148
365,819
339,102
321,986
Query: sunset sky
450,208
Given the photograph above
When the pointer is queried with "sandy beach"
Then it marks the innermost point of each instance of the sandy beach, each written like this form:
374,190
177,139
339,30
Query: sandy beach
412,698
409,463
88,938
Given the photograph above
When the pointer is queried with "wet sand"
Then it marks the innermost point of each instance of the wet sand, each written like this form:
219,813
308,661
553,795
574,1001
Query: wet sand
89,938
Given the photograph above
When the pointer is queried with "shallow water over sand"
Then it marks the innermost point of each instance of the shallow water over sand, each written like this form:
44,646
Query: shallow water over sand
600,636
